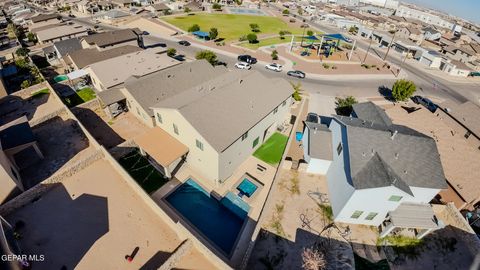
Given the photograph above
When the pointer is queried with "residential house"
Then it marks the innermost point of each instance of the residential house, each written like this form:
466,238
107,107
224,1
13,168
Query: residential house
194,6
379,167
81,58
159,8
106,74
317,147
410,33
45,19
457,68
425,17
462,54
122,3
61,32
60,49
112,39
431,34
249,106
113,15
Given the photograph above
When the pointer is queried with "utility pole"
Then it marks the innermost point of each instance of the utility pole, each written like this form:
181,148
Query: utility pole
303,35
368,49
390,45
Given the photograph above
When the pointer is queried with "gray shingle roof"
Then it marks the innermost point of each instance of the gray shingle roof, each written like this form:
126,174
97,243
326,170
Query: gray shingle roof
320,141
67,46
85,57
371,112
395,155
112,37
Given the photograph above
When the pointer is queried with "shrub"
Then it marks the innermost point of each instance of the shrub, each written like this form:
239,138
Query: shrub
403,89
31,37
242,38
252,38
285,12
167,12
334,67
171,52
22,52
213,34
194,28
344,105
281,34
347,46
255,28
309,33
274,55
239,2
296,91
187,9
217,6
326,66
25,84
210,56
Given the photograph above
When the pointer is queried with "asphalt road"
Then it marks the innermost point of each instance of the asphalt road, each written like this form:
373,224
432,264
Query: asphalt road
426,83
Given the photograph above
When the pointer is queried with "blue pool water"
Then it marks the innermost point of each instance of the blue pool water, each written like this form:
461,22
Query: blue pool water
246,11
247,187
219,221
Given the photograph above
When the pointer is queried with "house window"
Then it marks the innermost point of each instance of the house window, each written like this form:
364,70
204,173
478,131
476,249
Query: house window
159,118
199,144
175,129
244,136
339,149
395,198
371,216
356,214
255,142
467,135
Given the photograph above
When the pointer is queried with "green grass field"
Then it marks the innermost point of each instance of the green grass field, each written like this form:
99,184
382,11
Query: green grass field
230,26
80,97
269,42
272,150
142,171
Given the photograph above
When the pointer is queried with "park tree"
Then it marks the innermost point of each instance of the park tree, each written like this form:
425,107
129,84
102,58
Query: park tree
344,106
216,6
281,34
353,29
300,11
255,28
239,2
285,12
171,52
252,38
309,33
187,10
210,56
194,28
403,90
22,52
25,84
32,38
167,12
274,55
213,34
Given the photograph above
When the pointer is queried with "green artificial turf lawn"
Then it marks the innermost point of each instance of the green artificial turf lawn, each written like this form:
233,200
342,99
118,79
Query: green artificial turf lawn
272,150
232,26
80,97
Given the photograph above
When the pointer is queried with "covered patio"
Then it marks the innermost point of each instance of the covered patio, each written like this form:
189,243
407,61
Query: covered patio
410,218
163,151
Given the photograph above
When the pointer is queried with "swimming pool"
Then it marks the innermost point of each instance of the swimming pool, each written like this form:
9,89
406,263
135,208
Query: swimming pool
60,78
246,11
219,221
247,188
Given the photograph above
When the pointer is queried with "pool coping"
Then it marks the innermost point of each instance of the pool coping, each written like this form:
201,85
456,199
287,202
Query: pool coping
177,217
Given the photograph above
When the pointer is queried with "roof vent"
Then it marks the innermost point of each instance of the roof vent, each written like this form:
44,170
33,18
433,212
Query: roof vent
241,80
393,134
397,155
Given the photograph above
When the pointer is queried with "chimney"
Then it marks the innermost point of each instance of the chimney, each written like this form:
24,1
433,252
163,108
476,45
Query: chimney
393,134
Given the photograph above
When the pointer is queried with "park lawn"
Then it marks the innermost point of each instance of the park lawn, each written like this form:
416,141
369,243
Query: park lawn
80,97
232,26
269,42
272,150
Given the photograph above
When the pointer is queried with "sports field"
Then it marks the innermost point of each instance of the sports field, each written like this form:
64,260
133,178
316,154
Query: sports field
232,26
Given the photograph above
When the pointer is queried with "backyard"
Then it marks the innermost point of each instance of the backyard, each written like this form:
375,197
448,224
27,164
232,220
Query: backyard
84,95
231,27
272,150
142,171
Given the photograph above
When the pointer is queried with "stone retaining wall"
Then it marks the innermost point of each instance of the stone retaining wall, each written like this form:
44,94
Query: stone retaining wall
40,189
176,255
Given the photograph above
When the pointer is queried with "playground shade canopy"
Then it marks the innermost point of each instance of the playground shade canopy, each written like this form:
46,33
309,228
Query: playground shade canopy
312,38
337,36
201,34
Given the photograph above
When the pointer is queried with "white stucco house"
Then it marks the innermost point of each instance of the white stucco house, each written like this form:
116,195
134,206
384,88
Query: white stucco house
380,170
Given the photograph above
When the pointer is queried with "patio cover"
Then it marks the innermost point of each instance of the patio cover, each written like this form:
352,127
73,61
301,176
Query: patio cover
337,36
413,215
76,74
161,146
201,34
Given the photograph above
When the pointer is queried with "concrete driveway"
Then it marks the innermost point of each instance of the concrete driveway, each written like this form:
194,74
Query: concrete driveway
322,105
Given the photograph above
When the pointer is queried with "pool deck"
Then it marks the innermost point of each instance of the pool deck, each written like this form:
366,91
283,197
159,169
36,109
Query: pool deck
230,185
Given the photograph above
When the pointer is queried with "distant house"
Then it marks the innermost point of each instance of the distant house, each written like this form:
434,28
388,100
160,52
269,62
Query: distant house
60,49
111,39
194,6
248,106
45,18
379,168
431,34
60,32
462,54
411,33
158,8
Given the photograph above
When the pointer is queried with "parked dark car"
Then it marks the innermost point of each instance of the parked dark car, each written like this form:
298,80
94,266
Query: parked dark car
312,117
71,16
425,102
247,59
296,73
145,33
184,43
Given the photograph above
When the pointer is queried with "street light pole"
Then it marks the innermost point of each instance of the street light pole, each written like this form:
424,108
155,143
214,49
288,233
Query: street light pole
369,46
401,65
303,35
390,45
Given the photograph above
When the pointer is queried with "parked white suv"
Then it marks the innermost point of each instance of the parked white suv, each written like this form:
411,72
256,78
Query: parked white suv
243,65
274,66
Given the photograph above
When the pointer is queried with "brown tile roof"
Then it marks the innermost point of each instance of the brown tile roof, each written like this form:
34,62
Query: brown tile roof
85,57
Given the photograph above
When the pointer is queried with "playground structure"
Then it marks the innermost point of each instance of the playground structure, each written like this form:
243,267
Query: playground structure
328,45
